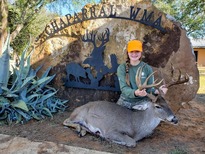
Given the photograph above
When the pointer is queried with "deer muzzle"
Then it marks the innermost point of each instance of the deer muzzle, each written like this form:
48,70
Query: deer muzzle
174,120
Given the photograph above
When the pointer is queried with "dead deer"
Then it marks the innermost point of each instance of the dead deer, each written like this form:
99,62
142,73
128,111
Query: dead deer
119,124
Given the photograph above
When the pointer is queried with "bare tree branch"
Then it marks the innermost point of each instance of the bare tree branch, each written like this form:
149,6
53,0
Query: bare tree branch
3,29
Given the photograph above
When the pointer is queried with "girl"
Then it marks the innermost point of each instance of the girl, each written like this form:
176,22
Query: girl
130,94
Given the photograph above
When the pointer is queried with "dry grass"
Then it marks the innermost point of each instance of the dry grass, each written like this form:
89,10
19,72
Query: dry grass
202,80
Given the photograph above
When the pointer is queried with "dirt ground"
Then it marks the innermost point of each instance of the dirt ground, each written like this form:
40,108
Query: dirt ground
186,137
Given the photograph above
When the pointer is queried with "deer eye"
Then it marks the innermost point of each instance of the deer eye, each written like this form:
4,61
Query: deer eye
157,106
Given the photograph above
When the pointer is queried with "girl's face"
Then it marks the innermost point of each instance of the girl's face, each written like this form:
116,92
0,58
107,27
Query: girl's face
134,56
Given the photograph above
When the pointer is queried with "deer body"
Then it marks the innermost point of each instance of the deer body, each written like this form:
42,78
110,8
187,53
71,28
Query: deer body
118,124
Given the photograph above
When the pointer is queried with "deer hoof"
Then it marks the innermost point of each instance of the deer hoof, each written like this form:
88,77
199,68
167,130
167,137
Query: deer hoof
82,133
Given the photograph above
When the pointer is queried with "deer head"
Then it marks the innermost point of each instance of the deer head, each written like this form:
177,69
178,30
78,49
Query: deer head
141,86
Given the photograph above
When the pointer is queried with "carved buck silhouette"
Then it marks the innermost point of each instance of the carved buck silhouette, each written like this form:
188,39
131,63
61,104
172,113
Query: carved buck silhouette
96,58
119,124
80,77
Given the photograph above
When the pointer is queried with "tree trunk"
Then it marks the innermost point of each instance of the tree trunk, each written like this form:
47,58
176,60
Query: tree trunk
16,32
3,29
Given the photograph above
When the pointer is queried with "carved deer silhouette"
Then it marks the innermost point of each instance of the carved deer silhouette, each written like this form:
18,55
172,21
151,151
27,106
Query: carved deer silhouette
76,70
96,57
119,124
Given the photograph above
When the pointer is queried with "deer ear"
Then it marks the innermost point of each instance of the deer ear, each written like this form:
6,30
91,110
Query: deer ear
161,93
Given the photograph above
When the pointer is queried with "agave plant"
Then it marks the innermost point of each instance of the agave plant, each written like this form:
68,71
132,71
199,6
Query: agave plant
24,95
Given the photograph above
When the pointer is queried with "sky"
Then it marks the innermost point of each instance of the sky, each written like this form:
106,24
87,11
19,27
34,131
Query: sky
63,7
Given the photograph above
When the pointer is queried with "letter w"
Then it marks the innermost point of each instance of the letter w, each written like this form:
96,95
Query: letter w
134,14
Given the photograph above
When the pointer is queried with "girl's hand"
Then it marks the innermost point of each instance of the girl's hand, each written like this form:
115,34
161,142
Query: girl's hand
141,93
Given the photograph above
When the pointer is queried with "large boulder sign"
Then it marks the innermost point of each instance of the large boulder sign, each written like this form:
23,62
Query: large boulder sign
86,48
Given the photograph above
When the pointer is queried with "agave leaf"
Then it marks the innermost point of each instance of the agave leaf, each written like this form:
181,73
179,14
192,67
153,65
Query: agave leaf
21,105
13,74
27,67
12,95
25,72
48,91
22,60
24,84
1,91
3,101
18,80
32,104
32,72
5,89
22,95
38,68
39,82
52,106
61,105
4,63
23,114
50,88
47,112
19,118
9,119
36,116
3,116
44,97
47,81
64,102
27,81
4,106
42,80
45,74
22,68
33,96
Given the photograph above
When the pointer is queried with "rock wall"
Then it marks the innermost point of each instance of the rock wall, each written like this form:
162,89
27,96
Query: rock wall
165,44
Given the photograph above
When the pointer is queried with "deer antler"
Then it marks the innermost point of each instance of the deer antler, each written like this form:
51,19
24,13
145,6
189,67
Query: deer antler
104,38
89,37
179,80
144,85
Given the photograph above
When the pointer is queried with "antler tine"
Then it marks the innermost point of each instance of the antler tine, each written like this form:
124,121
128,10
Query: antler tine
179,80
104,38
144,85
172,70
151,85
89,37
138,77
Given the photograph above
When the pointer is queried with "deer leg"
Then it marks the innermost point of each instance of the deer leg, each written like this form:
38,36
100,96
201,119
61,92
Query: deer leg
81,131
121,138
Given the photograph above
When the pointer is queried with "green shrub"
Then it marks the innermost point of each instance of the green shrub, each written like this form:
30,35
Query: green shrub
23,95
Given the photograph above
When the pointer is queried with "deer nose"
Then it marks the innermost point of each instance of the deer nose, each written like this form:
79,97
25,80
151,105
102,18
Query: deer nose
174,120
